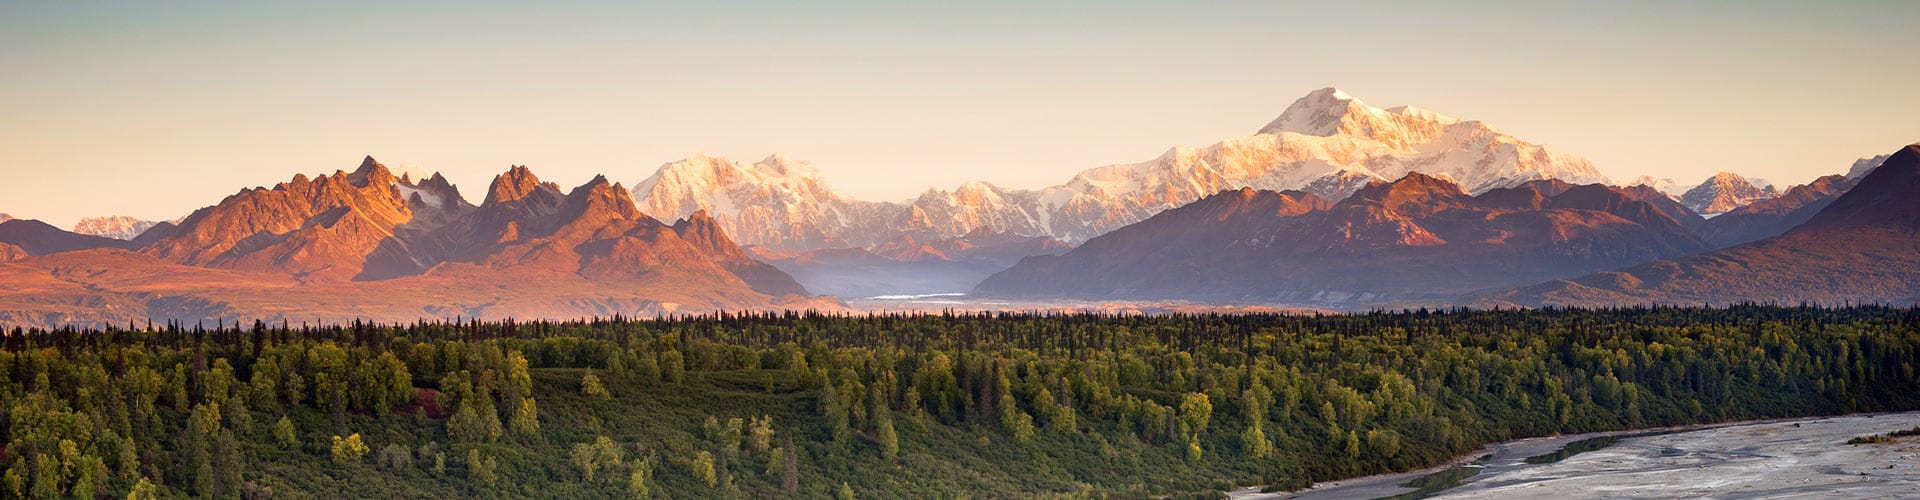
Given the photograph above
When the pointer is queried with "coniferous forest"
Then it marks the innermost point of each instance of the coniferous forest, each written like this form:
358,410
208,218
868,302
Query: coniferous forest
799,405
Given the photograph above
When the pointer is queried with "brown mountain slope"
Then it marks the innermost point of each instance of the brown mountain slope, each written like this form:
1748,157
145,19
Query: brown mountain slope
1863,247
10,253
319,230
39,238
705,235
1418,237
114,287
1774,216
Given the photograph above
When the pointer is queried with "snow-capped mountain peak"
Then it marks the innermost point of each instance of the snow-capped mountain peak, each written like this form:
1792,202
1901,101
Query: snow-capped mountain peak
1865,165
1330,111
119,227
780,165
1726,191
1327,142
1669,186
777,202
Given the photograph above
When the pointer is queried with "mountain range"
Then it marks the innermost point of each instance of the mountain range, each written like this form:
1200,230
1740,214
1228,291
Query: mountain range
1862,247
367,245
1416,238
1423,239
1327,142
1334,204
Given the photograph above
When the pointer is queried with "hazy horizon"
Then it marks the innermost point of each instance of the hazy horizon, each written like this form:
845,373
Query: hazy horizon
109,105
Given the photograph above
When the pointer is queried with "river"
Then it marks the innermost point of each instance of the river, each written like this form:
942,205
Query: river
1795,458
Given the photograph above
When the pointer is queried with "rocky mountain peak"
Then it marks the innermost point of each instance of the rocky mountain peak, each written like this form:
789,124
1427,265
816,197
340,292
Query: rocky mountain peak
1413,186
516,183
1724,192
371,172
701,230
598,194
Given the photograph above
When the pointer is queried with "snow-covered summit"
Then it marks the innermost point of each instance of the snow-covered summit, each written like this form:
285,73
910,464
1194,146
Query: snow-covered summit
1668,186
1865,165
776,202
1327,142
119,227
1726,191
1330,111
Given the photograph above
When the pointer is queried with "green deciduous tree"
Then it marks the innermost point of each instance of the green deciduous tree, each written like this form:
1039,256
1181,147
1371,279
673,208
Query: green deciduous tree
526,418
639,483
348,450
760,434
591,387
702,468
883,429
283,432
1196,411
483,470
600,455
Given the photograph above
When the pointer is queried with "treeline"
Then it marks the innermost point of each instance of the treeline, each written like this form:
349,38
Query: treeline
897,405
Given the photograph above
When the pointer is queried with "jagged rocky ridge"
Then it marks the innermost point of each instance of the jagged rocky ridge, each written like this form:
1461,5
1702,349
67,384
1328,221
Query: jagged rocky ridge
365,244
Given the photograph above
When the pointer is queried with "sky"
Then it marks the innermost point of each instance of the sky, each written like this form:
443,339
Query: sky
153,109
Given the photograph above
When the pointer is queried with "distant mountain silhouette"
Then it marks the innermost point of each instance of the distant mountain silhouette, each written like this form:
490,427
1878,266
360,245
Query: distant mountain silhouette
39,238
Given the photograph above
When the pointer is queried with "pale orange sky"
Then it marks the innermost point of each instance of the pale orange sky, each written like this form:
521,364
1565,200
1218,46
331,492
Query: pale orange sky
155,109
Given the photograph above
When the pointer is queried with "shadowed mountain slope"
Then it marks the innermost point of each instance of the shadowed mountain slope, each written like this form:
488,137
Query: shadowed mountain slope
1862,247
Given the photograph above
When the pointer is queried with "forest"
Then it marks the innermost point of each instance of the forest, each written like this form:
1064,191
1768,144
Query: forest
936,405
